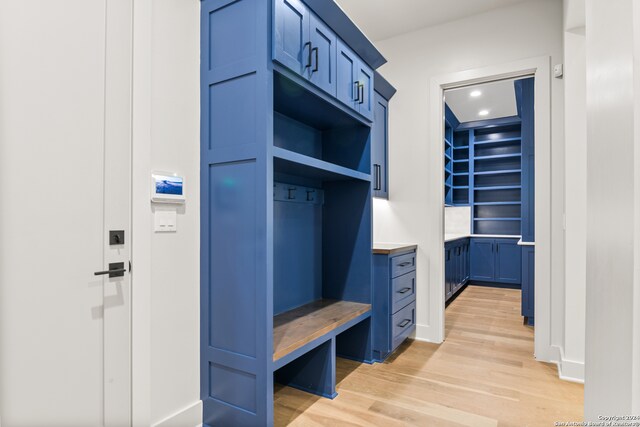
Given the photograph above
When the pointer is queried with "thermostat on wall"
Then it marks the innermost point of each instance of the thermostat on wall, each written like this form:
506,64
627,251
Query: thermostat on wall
167,188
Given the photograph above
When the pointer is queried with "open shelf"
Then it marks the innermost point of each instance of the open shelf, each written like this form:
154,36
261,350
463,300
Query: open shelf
498,187
499,156
295,328
497,219
292,163
498,172
497,141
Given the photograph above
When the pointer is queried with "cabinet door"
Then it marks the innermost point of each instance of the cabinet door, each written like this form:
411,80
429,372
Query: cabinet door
482,259
508,261
347,65
379,138
291,46
466,260
528,281
458,266
365,100
322,71
447,272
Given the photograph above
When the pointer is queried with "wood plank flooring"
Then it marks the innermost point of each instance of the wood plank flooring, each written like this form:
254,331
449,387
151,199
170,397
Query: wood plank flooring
483,374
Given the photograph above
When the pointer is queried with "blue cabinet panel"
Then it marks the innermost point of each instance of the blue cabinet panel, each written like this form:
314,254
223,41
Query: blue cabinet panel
508,261
347,66
403,291
322,71
379,146
482,259
365,98
403,323
527,114
456,266
528,282
292,47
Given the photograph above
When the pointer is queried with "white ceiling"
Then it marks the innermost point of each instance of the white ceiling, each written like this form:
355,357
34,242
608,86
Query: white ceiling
498,98
382,19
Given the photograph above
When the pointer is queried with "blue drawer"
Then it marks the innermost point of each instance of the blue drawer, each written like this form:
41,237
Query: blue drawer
403,264
403,324
403,291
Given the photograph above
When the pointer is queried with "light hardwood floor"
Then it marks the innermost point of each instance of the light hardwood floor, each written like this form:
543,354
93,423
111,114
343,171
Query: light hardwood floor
483,374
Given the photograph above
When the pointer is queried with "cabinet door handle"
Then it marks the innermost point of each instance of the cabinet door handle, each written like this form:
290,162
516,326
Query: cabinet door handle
404,264
309,57
404,323
357,87
404,290
315,49
376,177
361,89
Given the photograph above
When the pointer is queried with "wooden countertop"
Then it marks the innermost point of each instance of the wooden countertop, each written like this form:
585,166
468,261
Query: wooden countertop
392,248
295,328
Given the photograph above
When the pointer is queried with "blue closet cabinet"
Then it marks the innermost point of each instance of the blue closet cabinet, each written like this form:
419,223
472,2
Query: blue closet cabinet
394,297
483,264
496,261
292,44
304,44
354,81
384,91
456,266
528,282
286,221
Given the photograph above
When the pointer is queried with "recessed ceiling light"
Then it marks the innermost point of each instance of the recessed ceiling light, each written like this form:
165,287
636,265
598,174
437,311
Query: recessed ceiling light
475,93
483,112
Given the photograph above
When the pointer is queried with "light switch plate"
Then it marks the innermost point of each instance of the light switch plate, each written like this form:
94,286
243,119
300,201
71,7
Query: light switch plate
165,221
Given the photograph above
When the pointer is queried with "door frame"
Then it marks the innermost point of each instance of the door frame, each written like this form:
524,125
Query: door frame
540,68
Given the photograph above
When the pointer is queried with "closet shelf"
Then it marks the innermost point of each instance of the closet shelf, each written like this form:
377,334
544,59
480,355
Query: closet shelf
497,141
498,172
293,163
498,187
461,147
496,219
496,203
295,328
499,156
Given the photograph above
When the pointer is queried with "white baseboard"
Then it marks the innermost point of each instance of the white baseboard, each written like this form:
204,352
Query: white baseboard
571,370
568,370
190,416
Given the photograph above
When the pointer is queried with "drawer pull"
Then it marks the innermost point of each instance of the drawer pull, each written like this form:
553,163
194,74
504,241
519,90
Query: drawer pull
404,290
404,264
404,323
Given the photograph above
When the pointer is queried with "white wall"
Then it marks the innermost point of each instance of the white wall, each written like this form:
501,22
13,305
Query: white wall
525,30
166,265
575,86
612,377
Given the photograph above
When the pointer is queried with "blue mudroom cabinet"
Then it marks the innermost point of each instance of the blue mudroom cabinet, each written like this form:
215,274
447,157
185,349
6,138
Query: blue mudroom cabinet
286,198
394,297
383,93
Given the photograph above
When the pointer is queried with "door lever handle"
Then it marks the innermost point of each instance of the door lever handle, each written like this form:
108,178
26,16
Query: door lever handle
116,269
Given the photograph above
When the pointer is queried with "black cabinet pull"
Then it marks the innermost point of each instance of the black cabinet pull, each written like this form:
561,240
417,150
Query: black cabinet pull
357,84
376,177
316,67
404,290
404,264
309,57
404,323
361,89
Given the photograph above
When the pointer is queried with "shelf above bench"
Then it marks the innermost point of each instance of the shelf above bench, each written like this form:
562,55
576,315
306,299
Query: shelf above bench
297,328
292,163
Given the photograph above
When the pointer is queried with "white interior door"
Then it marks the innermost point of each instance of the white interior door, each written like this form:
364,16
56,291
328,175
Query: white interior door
65,180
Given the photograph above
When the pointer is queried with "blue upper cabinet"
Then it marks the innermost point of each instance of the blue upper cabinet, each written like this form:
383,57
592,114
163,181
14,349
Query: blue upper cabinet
306,45
346,76
292,47
355,81
365,101
379,147
322,70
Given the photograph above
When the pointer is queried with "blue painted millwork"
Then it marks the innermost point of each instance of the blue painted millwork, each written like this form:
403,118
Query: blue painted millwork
528,281
380,147
394,296
285,198
457,256
383,87
495,261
